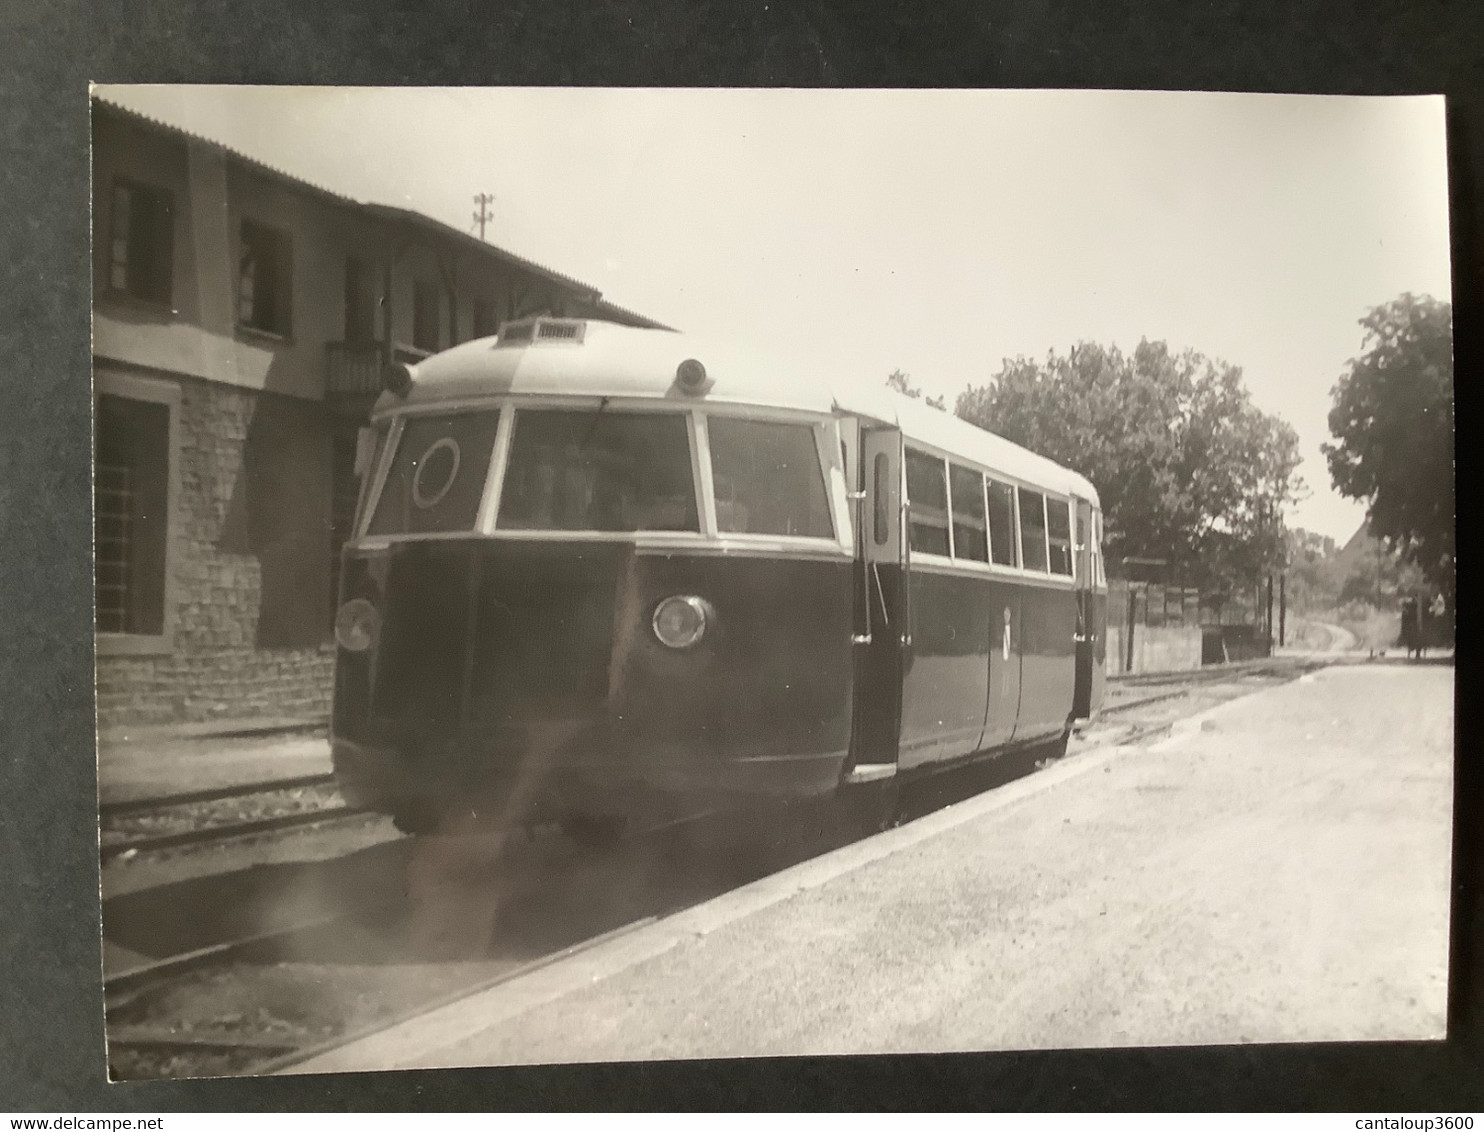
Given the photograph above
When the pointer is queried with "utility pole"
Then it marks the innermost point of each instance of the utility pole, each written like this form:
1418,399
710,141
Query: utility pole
1282,608
483,200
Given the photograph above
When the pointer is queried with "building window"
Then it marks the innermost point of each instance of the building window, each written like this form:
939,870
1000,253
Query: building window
360,301
141,250
486,323
425,310
264,276
131,501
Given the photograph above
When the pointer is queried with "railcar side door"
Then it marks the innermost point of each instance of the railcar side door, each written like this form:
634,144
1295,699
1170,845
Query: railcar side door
880,621
1003,707
1087,691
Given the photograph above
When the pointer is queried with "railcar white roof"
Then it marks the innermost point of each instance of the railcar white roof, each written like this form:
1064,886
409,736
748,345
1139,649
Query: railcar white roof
611,361
624,361
937,428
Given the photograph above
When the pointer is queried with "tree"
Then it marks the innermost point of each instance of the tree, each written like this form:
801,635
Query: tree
1188,469
1393,423
1313,570
902,383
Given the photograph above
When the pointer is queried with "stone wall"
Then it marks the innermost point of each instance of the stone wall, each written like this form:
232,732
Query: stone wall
1156,649
250,580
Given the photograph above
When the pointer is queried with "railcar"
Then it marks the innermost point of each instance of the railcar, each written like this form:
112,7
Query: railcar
600,572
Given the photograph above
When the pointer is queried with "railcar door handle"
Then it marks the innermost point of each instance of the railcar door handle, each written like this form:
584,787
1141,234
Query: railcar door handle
861,639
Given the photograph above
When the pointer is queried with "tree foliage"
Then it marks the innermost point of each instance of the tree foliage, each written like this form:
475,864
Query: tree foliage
1393,423
902,383
1323,576
1188,469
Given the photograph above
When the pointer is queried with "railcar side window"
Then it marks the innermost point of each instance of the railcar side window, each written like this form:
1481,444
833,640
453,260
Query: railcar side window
598,471
970,536
368,472
1033,529
1002,524
1059,535
437,474
1099,578
882,498
768,479
928,495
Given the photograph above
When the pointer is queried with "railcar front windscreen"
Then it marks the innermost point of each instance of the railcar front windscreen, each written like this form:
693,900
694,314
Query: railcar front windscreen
437,476
598,471
768,479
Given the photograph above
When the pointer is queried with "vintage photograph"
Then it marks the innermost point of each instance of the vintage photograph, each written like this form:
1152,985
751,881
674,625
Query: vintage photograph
609,575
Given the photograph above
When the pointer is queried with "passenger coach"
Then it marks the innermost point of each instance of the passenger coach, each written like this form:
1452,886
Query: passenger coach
602,572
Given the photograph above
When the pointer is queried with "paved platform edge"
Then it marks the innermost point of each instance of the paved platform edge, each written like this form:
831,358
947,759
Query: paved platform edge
399,1045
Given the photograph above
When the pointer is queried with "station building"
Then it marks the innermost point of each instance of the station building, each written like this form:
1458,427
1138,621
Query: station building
241,319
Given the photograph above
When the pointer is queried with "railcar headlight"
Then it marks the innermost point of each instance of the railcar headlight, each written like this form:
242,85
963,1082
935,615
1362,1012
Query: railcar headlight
357,624
690,375
679,622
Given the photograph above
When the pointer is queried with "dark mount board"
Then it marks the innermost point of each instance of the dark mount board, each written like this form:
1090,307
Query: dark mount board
51,1051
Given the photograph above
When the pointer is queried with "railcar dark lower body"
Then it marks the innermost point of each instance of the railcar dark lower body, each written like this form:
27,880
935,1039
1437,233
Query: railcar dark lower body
518,680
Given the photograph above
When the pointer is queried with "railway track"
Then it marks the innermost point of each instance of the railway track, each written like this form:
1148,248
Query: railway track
1217,673
203,817
157,1025
379,956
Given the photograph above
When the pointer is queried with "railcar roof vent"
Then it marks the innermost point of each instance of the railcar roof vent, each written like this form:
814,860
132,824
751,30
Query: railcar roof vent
527,331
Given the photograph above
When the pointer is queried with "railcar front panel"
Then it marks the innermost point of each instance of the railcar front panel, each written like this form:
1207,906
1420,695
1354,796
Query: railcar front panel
520,675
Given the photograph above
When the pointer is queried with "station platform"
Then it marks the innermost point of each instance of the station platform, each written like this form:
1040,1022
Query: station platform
1276,870
135,764
156,762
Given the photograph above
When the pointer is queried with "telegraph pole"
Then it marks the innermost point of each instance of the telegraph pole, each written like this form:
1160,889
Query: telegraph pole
483,200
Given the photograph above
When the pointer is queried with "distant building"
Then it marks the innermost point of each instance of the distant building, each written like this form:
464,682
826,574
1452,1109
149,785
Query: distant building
240,320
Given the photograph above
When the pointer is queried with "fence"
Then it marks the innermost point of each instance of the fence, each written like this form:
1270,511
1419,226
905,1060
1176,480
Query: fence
1154,627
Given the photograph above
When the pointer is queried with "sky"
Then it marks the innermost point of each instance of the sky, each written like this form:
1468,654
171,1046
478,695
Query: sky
935,232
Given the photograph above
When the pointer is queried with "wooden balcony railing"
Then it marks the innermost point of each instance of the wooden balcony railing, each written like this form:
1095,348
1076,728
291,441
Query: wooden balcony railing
353,369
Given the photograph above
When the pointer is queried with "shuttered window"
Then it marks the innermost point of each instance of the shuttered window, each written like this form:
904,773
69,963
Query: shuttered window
264,279
141,249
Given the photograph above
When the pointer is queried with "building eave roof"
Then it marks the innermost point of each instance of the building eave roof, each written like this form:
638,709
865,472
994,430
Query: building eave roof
388,213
